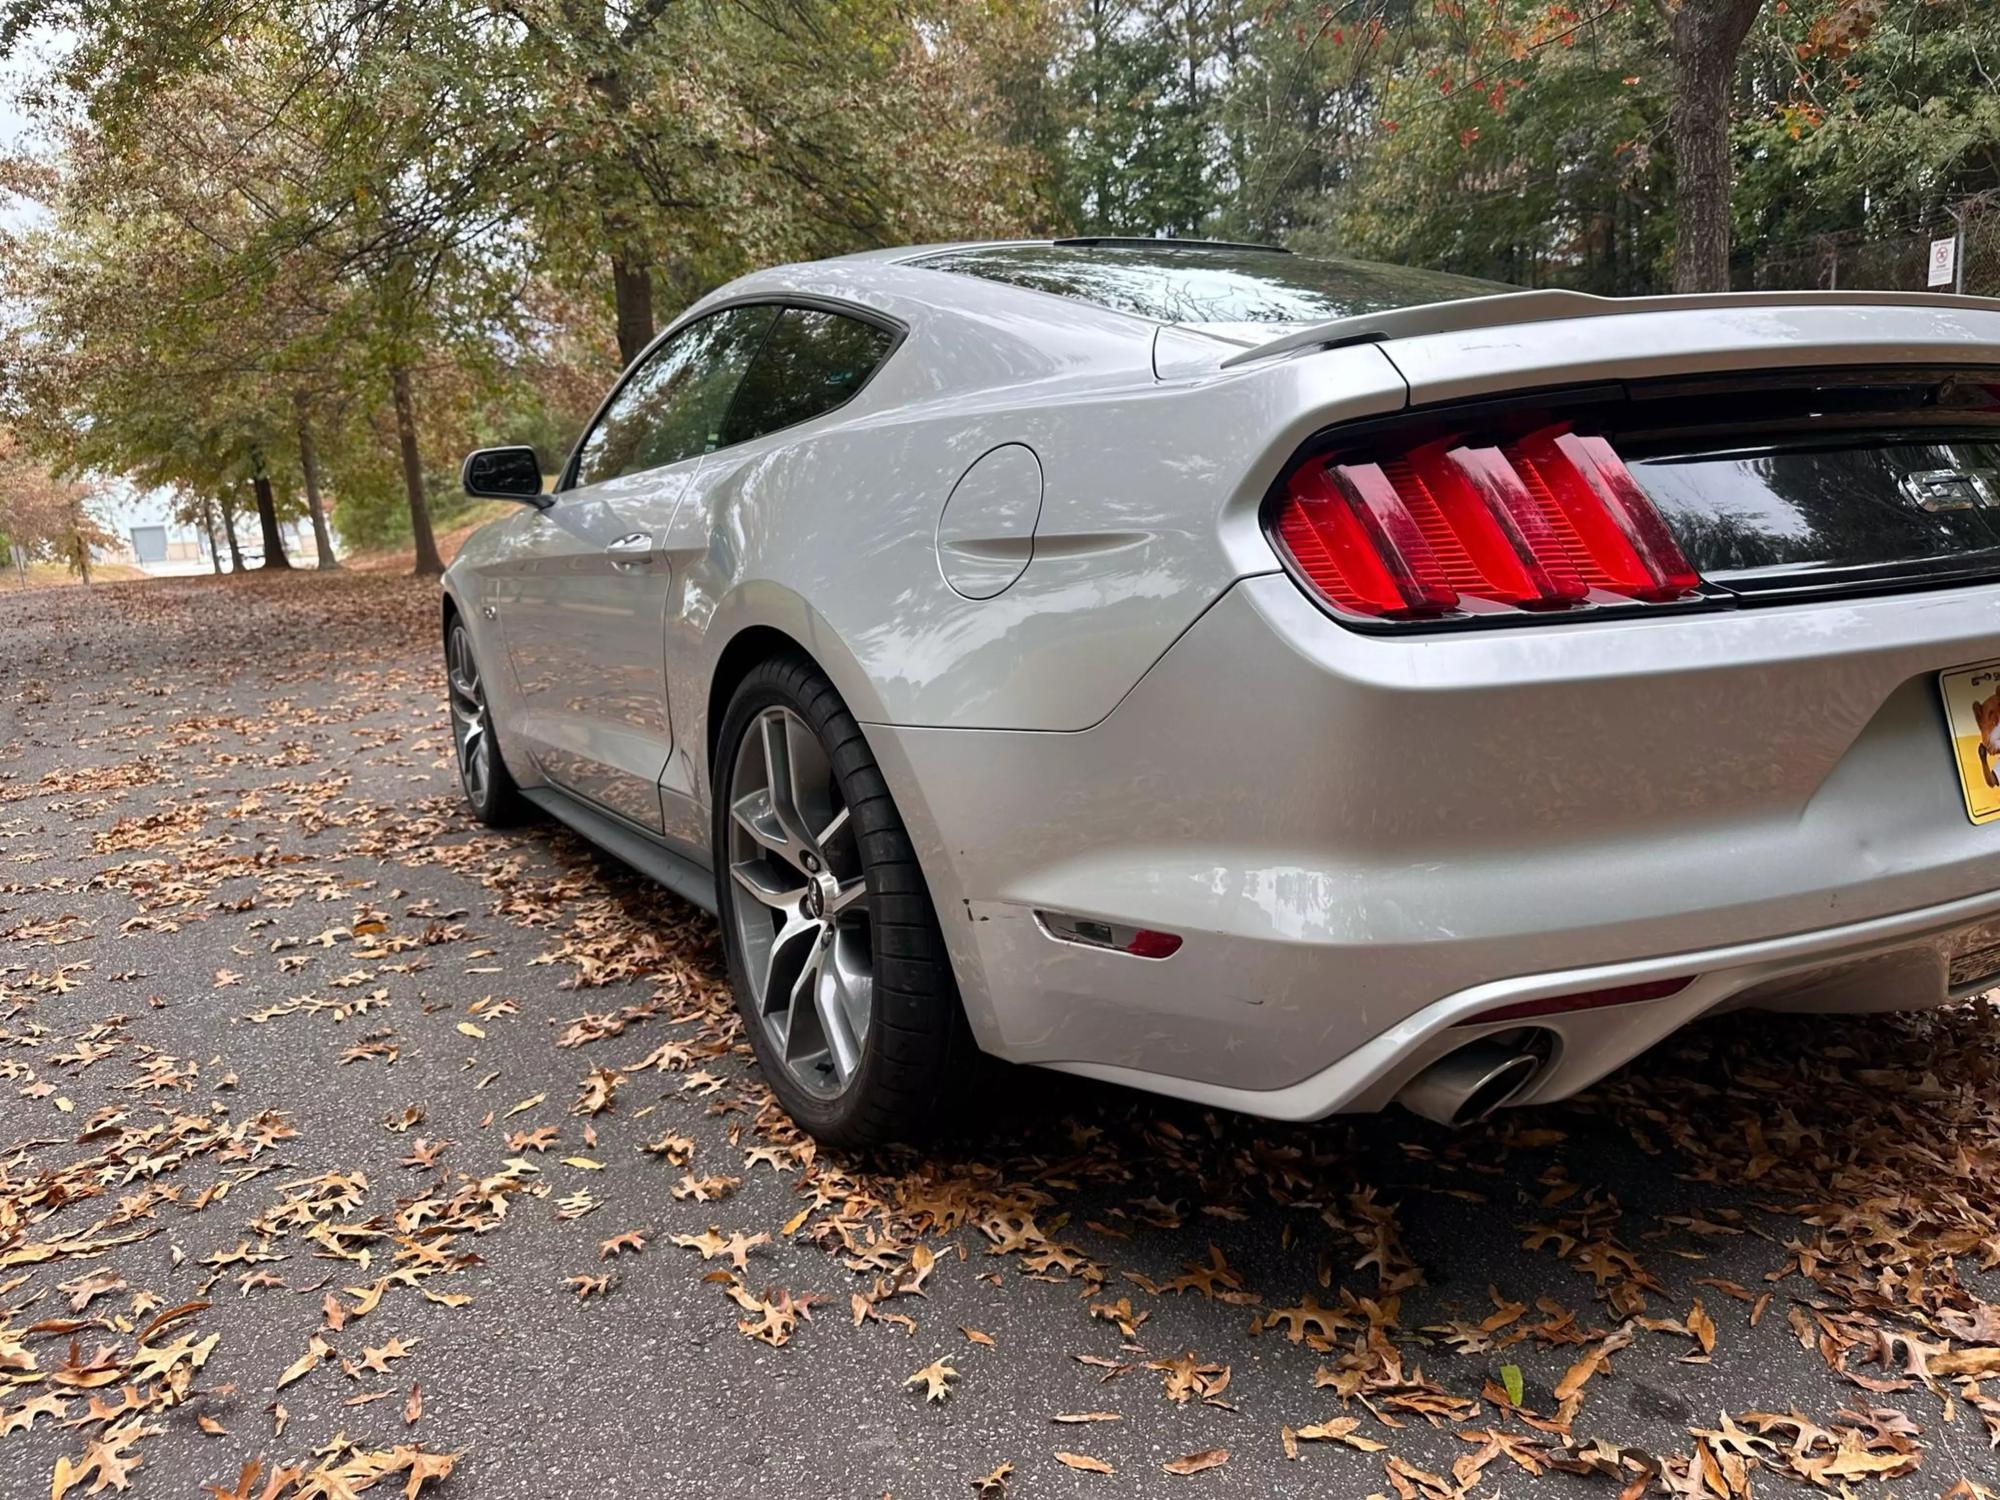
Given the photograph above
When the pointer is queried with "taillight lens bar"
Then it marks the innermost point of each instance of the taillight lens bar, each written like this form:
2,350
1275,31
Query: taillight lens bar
1459,527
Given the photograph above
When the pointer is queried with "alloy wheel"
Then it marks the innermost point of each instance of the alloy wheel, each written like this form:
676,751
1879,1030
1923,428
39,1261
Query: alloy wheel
804,929
470,727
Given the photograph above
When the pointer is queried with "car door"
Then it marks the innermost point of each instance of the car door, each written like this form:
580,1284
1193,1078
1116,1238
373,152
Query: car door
585,626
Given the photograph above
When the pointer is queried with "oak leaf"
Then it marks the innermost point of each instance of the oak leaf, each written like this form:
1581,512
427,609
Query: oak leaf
378,1359
711,1244
936,1380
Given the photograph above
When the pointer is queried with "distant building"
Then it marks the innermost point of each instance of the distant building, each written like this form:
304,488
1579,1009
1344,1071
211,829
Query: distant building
160,546
150,537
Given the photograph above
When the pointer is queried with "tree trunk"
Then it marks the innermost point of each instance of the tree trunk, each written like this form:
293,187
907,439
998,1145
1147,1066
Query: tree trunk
267,521
632,286
79,544
208,530
1706,37
429,564
309,467
229,529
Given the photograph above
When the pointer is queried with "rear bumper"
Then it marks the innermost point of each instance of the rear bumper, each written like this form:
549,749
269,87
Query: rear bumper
1359,838
1903,961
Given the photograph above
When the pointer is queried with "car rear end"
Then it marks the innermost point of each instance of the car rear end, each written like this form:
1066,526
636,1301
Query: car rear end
1639,665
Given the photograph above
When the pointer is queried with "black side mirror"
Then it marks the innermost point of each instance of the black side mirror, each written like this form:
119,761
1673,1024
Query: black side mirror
504,474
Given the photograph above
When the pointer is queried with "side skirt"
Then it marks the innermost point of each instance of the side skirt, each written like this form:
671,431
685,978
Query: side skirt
685,877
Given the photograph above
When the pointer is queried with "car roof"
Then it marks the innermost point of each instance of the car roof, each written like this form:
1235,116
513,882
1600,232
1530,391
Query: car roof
900,254
890,255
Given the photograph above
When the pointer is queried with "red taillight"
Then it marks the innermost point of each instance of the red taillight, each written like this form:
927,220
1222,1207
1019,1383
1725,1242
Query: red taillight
1502,526
1547,522
1611,514
1349,530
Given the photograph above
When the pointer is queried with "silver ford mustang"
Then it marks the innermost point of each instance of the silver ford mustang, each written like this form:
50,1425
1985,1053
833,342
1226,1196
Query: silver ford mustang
1282,683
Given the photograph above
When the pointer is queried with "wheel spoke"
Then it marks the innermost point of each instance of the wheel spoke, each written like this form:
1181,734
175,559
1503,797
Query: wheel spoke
781,786
836,999
479,762
805,1036
762,879
462,672
851,891
794,951
830,834
755,815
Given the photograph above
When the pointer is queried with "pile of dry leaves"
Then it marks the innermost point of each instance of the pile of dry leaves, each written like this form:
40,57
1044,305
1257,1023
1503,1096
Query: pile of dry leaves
259,770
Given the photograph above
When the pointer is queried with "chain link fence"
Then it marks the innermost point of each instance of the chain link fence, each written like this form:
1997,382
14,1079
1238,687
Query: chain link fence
1859,261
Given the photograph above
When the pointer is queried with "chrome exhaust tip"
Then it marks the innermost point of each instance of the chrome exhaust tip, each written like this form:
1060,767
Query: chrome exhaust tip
1464,1087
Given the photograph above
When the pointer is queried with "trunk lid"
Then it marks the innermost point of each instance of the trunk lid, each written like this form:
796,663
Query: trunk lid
1828,483
1808,445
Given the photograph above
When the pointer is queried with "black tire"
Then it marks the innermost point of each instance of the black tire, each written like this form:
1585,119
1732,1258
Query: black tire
917,1053
495,798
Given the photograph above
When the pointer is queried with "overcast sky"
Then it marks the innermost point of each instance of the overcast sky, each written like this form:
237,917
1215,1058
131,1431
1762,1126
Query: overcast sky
121,505
13,127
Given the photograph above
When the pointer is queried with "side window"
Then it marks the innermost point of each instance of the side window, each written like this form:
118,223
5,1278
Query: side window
673,406
812,362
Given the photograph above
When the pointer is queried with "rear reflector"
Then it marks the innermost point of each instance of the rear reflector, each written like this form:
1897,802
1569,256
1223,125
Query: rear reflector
1461,527
1558,1005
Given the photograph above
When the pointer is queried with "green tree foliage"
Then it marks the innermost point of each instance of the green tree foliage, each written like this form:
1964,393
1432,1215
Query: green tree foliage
1523,147
1140,92
679,144
314,250
1869,117
299,258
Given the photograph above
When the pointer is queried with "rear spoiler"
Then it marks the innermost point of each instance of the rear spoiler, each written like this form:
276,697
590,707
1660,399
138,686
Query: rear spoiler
1506,308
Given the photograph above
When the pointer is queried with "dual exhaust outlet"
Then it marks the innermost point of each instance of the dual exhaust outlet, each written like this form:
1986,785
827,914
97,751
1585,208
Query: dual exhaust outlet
1465,1086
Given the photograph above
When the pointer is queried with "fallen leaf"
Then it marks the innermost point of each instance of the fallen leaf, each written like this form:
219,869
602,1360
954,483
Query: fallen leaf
936,1380
1084,1462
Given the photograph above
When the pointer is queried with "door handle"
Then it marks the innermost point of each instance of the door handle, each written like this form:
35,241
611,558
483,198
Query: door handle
629,550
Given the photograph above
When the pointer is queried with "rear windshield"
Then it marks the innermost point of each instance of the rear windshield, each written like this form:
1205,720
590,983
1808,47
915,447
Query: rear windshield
1180,285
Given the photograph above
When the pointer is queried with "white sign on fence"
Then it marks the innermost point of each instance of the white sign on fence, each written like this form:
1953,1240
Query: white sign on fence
1944,261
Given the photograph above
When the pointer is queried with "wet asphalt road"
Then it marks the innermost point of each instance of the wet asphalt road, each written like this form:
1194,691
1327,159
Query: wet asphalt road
300,725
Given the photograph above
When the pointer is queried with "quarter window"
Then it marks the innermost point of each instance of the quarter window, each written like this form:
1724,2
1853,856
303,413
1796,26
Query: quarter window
812,362
674,404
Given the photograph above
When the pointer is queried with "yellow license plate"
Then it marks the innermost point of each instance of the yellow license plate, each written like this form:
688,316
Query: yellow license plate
1972,713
